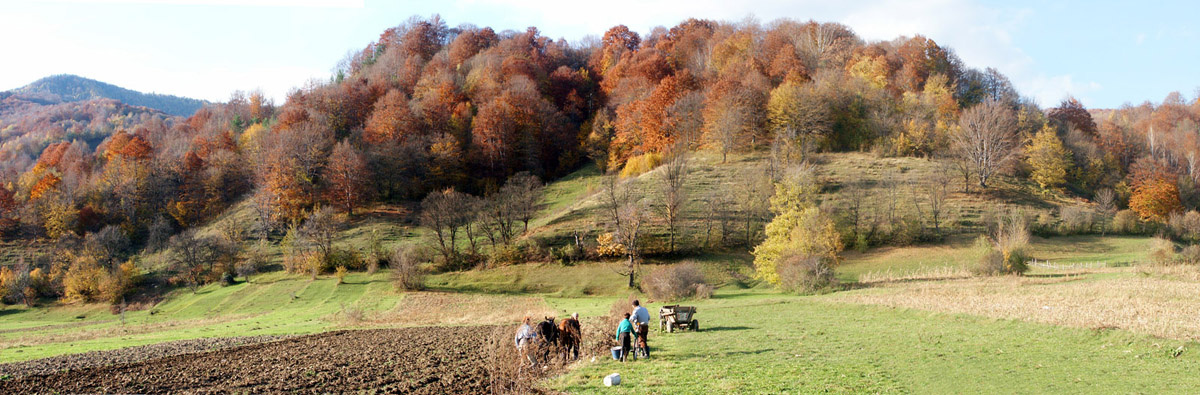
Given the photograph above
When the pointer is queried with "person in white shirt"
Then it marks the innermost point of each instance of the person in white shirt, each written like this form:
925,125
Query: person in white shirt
525,335
642,317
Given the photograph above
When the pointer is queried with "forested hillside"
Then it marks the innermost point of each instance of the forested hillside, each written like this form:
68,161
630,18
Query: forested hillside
470,122
66,88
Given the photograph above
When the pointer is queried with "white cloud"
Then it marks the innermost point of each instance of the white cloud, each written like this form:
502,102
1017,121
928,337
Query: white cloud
1049,91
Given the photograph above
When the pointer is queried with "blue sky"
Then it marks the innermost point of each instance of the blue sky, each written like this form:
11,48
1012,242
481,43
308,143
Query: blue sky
1104,52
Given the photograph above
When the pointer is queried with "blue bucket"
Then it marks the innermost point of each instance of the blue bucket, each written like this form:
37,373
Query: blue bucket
616,353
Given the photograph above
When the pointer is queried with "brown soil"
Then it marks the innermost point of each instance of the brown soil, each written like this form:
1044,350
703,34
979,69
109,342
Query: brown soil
434,360
126,355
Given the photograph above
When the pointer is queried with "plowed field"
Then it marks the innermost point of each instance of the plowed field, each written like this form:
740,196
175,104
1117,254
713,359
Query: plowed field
434,360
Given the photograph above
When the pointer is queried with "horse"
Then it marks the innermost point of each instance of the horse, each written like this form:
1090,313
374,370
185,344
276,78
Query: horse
570,335
547,332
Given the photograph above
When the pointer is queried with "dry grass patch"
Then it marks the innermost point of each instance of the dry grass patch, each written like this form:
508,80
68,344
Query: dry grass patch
440,308
1159,305
929,273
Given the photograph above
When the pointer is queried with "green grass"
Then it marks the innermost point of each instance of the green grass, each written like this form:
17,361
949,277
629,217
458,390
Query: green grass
273,304
761,342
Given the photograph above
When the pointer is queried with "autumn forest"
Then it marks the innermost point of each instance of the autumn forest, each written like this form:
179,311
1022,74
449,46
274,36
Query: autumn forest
436,119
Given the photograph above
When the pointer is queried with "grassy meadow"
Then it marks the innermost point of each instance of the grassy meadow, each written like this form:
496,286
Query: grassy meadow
903,318
763,342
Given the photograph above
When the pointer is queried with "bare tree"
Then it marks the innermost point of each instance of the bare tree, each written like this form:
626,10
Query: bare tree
1106,205
936,191
854,209
496,219
472,226
320,229
265,220
524,192
717,211
158,234
624,209
754,202
192,257
674,194
686,117
442,212
108,245
986,139
727,130
1106,201
19,285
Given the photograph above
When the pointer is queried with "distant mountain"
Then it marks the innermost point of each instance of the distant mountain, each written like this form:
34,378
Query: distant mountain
65,88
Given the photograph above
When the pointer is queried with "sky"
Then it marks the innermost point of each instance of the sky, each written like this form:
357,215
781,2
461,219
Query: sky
1105,53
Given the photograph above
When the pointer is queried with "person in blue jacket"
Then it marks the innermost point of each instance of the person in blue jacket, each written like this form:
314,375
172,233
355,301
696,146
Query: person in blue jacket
625,335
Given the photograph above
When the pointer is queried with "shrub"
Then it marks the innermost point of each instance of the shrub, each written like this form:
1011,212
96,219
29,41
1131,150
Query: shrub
862,243
1190,254
297,263
1185,226
991,263
568,254
227,278
372,266
805,274
339,257
1162,251
1076,219
1007,251
256,260
406,270
374,254
1126,222
517,253
341,273
641,164
82,282
607,245
676,282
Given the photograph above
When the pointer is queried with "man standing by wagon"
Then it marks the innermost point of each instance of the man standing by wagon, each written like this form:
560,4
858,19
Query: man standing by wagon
642,317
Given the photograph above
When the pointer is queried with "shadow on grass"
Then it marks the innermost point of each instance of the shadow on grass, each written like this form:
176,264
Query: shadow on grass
727,354
725,328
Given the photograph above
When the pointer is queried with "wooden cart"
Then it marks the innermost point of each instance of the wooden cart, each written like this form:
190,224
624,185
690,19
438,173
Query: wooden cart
677,317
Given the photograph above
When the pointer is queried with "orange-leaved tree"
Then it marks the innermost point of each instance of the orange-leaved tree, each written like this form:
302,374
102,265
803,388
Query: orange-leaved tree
1155,192
347,176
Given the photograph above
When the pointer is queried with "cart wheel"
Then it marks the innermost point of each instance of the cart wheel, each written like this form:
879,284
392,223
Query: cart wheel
695,325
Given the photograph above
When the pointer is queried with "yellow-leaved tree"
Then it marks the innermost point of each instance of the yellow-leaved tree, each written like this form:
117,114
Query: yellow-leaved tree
1048,159
799,233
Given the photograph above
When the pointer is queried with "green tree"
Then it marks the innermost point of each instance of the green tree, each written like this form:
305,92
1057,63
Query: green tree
798,229
1048,158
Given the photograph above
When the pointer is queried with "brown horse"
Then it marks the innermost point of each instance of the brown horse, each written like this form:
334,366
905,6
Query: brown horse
570,335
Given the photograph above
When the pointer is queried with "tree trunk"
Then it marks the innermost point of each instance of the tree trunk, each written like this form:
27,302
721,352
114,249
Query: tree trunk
631,285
